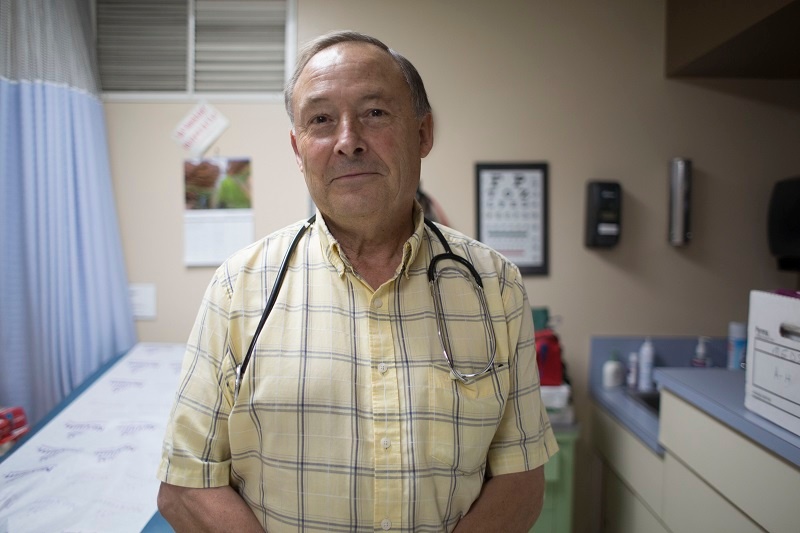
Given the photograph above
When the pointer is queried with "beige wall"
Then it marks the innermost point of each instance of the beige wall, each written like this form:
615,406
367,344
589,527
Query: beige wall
578,84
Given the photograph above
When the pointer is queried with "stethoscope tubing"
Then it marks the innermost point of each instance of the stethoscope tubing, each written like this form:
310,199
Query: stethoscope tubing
273,297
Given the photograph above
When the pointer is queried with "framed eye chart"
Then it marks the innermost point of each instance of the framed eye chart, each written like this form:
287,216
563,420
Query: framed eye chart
512,212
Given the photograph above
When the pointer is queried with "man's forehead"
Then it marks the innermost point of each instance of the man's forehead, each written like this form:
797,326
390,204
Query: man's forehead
371,72
339,51
350,55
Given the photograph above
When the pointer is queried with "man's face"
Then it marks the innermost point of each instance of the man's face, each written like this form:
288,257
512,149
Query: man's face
356,137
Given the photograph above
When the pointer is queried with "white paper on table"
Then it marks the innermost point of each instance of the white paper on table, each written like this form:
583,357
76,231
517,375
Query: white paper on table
92,468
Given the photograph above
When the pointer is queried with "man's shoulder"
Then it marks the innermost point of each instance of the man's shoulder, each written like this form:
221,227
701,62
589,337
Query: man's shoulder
473,247
456,238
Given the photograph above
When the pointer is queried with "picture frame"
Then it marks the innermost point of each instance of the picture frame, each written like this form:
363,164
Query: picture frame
512,213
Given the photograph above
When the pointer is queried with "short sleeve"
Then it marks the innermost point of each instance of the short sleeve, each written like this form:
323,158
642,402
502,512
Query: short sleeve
524,438
196,450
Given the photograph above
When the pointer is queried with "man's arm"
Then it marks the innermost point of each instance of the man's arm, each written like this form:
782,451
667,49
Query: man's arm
509,503
206,510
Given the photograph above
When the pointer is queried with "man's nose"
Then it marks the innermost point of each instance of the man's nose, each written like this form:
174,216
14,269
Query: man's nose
350,141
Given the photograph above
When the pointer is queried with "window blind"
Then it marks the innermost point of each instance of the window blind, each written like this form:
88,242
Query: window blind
142,45
239,45
183,46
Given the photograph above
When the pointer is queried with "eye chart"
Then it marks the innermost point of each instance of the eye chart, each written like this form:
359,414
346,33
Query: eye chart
512,212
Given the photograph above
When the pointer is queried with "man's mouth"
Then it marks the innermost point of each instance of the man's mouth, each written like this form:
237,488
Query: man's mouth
355,174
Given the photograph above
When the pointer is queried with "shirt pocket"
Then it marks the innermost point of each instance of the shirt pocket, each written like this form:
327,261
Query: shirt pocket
465,416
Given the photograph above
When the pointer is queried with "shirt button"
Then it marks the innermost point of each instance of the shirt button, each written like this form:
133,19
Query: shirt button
386,524
386,443
378,302
382,368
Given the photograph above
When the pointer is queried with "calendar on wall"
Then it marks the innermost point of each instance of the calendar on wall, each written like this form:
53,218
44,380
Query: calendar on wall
512,212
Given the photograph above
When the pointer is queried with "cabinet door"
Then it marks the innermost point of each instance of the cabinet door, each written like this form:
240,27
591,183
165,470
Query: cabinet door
691,505
623,512
764,486
633,462
556,516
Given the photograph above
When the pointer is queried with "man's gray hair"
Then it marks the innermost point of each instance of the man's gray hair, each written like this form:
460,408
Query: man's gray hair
419,98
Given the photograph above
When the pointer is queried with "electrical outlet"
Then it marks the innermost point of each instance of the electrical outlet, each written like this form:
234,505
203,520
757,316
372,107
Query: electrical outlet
143,300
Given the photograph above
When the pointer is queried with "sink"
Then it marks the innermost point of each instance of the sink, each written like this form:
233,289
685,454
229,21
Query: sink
650,399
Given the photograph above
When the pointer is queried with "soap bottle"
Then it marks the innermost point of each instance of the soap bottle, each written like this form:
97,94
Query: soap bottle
633,370
700,358
613,371
737,345
646,357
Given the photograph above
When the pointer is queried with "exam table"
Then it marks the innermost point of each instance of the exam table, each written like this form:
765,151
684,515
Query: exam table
91,464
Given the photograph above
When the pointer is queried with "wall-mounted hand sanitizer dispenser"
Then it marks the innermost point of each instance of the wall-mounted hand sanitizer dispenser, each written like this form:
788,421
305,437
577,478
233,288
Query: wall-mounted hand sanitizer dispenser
603,214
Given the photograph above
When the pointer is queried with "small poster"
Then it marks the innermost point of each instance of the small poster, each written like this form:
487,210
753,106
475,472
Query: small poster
218,219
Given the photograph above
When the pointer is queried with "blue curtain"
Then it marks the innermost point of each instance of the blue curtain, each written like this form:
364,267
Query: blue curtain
64,303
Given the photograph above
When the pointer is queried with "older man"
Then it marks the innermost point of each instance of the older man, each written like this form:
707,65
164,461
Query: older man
373,399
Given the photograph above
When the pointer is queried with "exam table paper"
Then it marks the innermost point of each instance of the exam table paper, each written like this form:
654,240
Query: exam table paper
92,468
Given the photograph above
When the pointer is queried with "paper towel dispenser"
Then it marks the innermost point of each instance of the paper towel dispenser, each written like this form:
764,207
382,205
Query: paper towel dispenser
783,223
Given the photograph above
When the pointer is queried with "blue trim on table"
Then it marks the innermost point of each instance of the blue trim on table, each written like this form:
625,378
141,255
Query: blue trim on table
66,401
158,524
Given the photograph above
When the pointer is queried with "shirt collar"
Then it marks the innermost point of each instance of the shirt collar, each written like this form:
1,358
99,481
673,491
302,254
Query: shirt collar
332,250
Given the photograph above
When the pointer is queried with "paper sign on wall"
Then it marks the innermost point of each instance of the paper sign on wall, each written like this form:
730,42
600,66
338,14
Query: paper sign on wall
200,128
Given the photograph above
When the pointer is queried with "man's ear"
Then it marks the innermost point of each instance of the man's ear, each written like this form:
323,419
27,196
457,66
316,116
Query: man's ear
426,135
297,156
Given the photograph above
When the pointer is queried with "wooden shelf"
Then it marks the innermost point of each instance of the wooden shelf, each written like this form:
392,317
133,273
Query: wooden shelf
733,39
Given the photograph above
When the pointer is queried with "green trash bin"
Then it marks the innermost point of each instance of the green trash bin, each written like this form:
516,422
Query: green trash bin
541,317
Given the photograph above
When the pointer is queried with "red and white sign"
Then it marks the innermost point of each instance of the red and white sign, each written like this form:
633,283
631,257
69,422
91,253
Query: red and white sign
200,128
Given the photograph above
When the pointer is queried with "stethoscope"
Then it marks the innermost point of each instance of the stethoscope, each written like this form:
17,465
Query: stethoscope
433,281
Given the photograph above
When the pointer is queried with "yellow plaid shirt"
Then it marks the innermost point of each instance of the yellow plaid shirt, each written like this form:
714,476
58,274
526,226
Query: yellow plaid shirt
348,418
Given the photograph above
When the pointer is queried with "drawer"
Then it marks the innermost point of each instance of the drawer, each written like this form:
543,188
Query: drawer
634,463
691,505
762,485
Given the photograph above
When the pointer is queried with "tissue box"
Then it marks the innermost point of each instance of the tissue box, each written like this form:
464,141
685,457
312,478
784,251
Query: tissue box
556,396
772,386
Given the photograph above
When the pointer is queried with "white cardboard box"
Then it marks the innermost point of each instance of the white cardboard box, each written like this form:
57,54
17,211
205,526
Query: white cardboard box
772,387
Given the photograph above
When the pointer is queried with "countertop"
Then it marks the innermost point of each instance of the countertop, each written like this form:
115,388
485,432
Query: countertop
640,420
717,392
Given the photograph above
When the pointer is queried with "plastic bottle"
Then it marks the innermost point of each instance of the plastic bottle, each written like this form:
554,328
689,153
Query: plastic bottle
646,357
633,370
737,345
700,358
613,371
